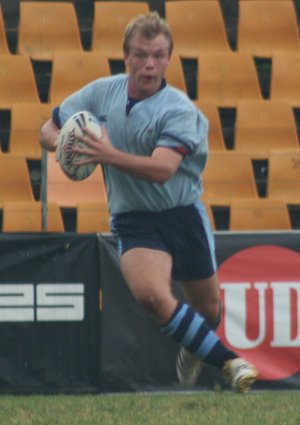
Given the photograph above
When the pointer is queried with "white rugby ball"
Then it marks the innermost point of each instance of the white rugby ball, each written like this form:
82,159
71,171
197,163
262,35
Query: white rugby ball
67,139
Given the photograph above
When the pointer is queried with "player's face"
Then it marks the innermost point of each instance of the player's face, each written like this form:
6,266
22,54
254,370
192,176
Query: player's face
146,62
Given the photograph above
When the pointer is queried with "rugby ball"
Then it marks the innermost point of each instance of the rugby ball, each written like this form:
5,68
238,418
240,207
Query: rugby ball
67,139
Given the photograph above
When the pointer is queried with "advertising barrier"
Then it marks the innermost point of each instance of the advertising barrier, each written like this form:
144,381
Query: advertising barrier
68,322
49,314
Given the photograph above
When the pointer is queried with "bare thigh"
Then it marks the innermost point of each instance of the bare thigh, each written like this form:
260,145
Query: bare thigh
203,296
148,276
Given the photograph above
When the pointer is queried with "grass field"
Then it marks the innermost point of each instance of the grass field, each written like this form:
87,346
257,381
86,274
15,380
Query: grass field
224,408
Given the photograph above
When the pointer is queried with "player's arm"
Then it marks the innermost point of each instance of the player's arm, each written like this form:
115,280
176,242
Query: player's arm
159,167
48,135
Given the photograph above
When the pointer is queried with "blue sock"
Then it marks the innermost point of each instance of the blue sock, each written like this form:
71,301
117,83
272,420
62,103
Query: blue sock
190,330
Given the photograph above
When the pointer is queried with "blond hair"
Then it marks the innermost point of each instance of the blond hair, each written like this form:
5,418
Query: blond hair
148,26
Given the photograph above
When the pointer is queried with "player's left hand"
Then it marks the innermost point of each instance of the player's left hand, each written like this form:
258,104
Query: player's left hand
97,149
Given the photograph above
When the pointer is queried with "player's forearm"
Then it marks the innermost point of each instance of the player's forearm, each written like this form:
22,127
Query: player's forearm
48,136
143,167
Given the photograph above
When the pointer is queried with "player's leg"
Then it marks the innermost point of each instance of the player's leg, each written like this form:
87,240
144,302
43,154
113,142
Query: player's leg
147,273
204,297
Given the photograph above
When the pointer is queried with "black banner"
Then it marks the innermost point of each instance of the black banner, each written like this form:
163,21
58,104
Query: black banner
135,356
58,335
49,313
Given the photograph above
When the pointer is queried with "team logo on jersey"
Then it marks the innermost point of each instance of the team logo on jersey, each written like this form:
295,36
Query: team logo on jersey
261,293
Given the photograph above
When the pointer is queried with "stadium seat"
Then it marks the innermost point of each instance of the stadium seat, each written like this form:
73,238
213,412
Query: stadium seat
73,70
27,217
267,26
228,175
92,217
26,121
285,78
284,176
197,26
17,82
215,133
259,214
47,27
264,125
226,78
67,193
15,184
4,50
110,20
175,73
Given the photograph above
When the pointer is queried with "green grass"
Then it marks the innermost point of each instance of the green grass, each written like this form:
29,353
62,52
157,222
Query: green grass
224,408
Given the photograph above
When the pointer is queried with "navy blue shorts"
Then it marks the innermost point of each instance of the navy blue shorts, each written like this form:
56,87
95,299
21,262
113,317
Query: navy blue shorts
183,232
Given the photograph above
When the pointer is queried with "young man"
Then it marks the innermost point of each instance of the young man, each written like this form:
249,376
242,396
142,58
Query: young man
153,151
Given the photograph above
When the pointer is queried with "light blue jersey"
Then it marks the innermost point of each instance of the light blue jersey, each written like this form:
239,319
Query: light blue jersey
169,119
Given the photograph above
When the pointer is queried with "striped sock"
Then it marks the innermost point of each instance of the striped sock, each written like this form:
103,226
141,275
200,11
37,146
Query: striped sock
190,330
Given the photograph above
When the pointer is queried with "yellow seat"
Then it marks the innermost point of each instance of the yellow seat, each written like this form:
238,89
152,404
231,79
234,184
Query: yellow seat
22,217
284,176
285,78
15,183
4,50
197,26
259,214
215,134
110,20
46,27
226,78
17,81
267,26
175,73
27,217
68,193
264,125
26,121
92,217
73,70
228,175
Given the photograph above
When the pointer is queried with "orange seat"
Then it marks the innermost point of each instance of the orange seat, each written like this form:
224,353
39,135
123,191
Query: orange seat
110,20
215,134
264,125
175,73
68,193
284,176
92,217
73,70
27,217
285,78
226,78
197,26
17,82
26,121
267,26
259,214
15,183
4,50
46,27
228,175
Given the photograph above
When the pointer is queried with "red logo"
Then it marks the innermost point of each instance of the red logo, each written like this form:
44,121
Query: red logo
261,293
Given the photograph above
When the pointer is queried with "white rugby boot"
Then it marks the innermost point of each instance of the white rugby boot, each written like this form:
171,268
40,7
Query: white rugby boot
188,367
239,374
